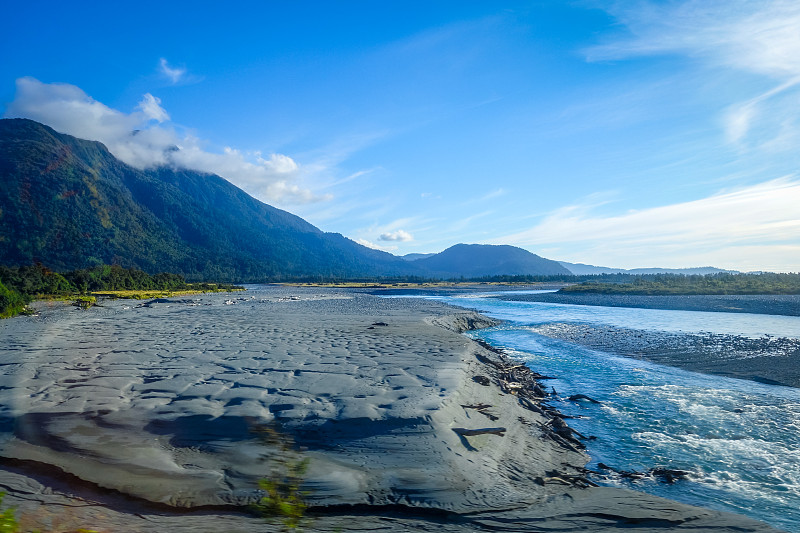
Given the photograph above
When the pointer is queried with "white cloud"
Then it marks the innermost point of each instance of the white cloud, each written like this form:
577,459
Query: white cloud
151,107
398,235
368,244
759,36
174,74
144,138
765,215
756,37
738,121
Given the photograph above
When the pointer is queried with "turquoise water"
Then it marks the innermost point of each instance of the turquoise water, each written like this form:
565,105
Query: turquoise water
743,324
739,439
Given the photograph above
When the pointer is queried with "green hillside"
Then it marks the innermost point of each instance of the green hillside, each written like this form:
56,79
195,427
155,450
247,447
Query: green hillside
69,204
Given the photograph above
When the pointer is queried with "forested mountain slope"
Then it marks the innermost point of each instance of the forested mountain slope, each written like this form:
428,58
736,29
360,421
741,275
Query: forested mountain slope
69,203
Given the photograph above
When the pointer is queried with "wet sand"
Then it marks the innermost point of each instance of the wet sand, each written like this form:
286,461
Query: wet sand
140,417
771,360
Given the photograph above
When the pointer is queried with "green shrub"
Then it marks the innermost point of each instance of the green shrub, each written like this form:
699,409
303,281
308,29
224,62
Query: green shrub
85,302
8,519
12,303
283,498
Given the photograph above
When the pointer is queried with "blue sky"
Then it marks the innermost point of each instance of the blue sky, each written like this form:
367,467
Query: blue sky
625,134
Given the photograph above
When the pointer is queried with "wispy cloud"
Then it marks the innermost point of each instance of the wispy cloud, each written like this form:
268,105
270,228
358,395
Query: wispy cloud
399,235
764,215
759,36
369,244
742,116
144,138
458,226
174,74
494,194
755,37
351,177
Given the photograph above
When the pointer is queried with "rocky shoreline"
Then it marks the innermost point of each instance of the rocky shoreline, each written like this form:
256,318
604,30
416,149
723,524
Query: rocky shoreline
139,419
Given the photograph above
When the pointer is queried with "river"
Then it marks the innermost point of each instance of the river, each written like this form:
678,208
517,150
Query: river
739,439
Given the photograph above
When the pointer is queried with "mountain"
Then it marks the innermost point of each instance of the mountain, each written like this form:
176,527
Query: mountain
69,203
414,257
580,269
476,260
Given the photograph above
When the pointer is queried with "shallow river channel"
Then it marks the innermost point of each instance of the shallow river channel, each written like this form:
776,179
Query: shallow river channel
740,439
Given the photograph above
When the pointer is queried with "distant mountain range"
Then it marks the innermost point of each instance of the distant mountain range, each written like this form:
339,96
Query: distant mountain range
580,269
414,257
69,203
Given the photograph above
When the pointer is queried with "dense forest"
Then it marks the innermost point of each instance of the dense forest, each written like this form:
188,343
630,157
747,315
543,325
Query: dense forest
662,284
70,204
21,285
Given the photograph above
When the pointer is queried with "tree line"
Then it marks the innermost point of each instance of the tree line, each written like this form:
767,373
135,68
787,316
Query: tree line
20,285
683,284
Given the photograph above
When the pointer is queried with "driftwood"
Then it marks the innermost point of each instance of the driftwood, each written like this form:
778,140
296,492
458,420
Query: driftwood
492,349
578,397
483,431
563,429
481,408
476,406
571,444
510,387
519,380
567,479
563,439
530,406
538,390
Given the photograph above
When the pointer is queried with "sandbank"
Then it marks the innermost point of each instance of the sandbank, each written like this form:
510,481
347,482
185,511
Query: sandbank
140,417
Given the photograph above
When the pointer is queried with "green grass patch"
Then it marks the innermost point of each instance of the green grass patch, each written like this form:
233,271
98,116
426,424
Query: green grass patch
147,295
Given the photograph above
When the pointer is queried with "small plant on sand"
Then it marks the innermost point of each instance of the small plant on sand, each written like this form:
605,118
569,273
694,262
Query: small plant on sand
8,520
283,499
85,302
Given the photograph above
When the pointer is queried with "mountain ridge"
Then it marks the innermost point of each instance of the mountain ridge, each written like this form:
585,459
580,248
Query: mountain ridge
69,203
580,269
477,260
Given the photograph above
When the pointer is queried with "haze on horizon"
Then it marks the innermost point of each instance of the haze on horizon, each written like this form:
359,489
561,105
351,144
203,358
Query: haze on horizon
645,134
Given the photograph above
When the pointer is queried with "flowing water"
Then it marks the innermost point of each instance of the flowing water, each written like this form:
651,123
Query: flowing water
739,439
